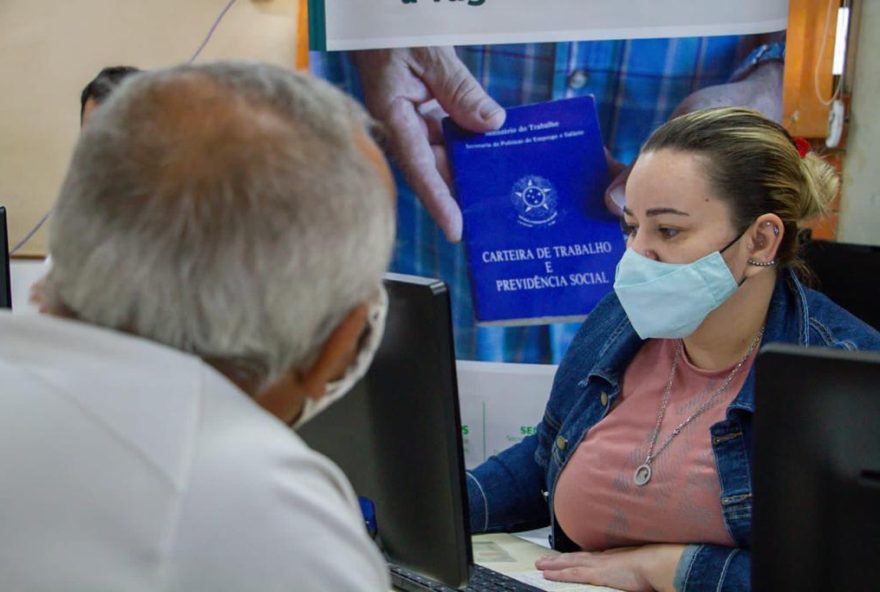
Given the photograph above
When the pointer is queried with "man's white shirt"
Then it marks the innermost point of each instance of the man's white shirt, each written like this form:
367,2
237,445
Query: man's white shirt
127,465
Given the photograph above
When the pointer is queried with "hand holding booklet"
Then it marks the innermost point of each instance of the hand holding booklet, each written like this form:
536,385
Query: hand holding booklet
541,247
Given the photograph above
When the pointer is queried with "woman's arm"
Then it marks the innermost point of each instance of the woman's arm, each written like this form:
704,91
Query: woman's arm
692,568
638,569
504,492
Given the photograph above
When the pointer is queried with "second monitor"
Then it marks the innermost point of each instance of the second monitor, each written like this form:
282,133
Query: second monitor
816,470
397,438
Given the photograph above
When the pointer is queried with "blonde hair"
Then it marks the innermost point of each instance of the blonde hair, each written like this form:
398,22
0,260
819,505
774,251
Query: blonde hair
754,165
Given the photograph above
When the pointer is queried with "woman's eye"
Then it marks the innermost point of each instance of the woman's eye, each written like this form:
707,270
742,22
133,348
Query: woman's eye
628,229
668,232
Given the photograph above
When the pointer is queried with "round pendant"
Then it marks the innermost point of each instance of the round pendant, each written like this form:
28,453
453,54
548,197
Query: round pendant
642,474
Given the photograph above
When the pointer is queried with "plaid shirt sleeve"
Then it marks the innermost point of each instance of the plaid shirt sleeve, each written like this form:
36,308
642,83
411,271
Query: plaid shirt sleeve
636,83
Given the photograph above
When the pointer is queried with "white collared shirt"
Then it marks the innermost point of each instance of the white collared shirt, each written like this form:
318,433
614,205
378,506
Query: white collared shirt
126,465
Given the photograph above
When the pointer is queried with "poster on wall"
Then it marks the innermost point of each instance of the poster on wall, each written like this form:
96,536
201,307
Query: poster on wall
357,24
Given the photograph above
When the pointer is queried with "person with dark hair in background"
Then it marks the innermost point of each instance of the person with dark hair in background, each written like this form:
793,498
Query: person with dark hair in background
100,87
95,92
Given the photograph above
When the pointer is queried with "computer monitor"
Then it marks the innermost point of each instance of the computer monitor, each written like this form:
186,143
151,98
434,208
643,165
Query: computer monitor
397,436
816,523
5,283
848,274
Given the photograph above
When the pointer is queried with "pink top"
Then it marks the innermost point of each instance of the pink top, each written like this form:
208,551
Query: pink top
597,503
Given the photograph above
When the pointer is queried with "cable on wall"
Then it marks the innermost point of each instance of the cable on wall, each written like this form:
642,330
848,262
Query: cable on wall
30,233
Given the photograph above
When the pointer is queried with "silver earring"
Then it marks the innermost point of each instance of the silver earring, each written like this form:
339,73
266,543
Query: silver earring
775,228
757,263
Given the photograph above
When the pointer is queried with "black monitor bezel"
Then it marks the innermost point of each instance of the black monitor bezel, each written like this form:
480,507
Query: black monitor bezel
377,441
5,266
816,438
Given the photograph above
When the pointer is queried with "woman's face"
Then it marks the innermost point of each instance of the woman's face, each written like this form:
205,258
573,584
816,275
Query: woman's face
671,213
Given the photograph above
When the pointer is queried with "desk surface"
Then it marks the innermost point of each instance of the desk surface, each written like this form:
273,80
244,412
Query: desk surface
516,557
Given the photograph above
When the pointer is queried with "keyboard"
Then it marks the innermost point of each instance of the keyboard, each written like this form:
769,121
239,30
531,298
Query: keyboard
483,579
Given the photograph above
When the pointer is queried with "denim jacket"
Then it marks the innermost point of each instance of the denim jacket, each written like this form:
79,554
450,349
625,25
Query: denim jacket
514,489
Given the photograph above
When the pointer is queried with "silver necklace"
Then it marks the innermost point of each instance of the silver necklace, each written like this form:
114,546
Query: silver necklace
644,471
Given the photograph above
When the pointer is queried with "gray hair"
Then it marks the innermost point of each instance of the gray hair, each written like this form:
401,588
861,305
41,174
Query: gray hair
227,210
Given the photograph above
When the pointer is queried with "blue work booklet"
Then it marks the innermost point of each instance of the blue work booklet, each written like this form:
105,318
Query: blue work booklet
541,246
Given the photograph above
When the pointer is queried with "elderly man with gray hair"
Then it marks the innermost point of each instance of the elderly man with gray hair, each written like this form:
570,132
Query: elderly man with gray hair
219,242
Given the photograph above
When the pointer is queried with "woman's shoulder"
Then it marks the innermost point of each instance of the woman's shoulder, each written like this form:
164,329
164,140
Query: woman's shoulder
605,323
605,340
831,325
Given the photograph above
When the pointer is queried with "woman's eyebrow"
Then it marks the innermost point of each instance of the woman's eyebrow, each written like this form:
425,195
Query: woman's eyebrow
657,212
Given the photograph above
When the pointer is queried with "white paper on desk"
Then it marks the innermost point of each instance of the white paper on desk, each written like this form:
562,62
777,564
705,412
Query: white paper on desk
536,578
539,536
490,552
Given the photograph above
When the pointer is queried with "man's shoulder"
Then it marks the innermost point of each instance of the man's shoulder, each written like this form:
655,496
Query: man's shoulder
138,397
258,493
227,495
238,440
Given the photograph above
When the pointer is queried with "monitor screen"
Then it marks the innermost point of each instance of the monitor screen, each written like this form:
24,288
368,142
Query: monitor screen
848,274
5,286
397,436
816,469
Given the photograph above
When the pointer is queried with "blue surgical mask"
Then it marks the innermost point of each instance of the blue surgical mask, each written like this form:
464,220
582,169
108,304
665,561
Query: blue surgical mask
370,344
670,300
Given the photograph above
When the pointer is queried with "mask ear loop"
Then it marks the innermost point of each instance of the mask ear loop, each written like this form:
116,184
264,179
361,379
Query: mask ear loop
738,236
751,261
730,244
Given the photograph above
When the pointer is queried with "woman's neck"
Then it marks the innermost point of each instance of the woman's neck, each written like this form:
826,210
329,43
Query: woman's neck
725,335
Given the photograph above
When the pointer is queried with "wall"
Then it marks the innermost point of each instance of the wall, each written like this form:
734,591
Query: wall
860,205
22,275
49,50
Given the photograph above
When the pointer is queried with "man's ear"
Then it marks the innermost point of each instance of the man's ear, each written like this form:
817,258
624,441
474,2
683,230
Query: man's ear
286,396
335,354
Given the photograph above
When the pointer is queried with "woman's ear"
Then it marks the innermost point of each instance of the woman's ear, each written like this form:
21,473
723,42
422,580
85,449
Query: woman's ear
764,240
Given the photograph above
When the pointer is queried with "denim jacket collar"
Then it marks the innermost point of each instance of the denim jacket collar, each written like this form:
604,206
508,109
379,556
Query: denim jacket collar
787,321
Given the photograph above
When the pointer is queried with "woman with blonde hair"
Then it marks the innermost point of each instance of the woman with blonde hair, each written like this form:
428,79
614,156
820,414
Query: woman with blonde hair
642,460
